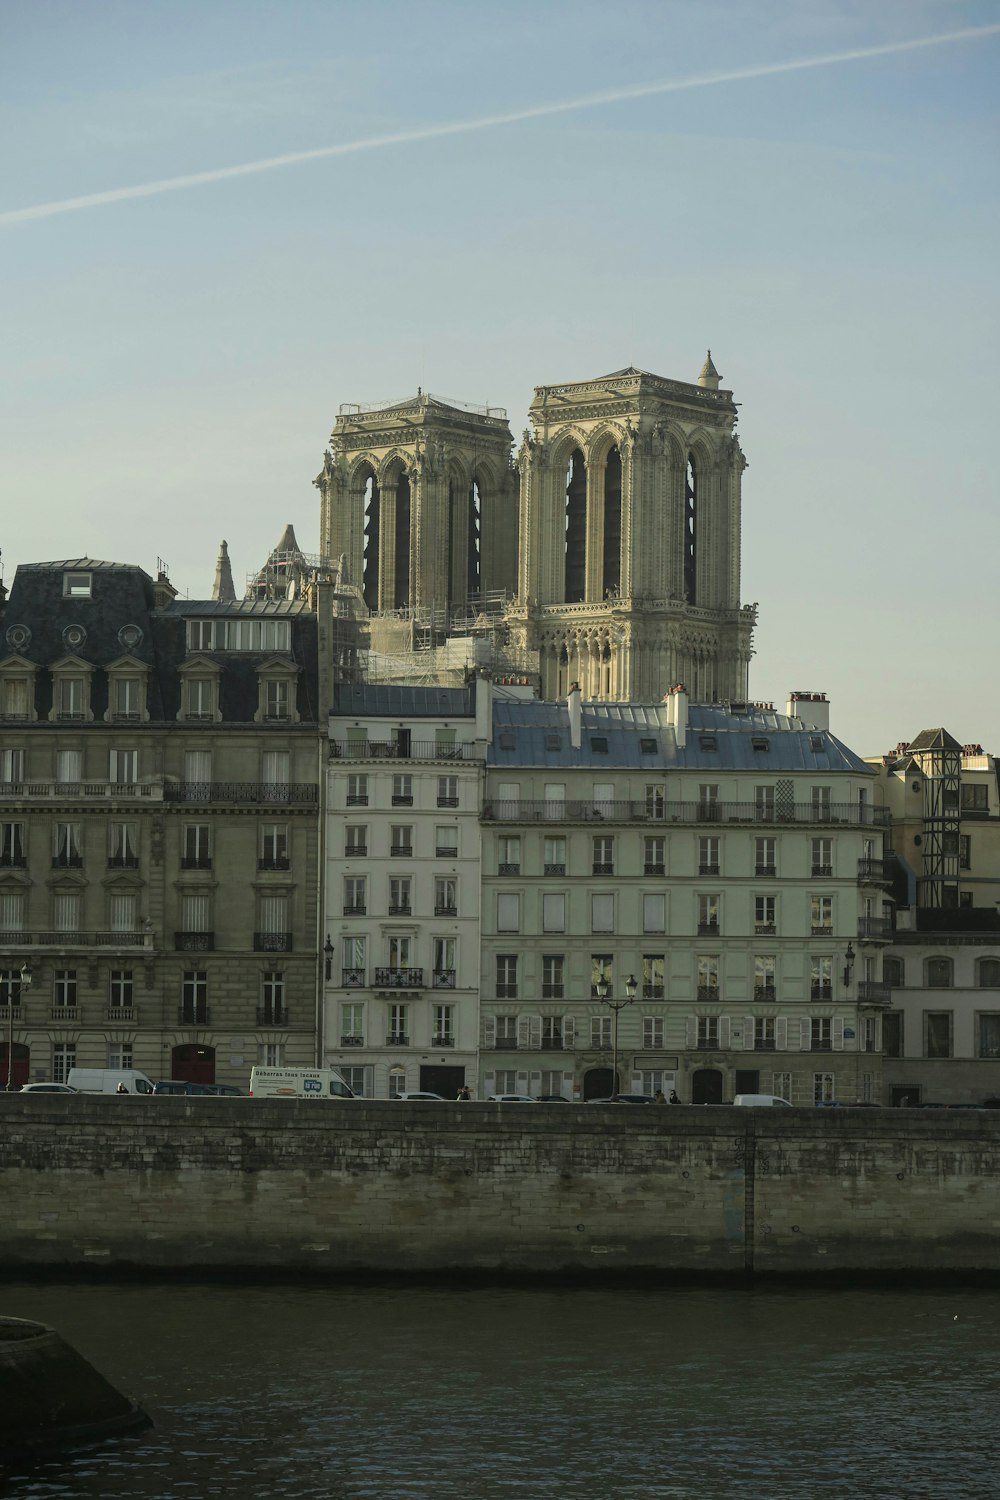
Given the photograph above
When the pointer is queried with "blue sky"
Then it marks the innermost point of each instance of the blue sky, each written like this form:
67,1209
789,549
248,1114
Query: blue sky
174,362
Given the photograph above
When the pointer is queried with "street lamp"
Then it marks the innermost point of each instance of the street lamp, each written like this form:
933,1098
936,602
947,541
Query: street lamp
328,958
617,1006
26,978
848,965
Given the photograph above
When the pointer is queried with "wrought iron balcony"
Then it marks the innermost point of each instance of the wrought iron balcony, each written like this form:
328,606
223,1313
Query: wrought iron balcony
764,929
400,909
399,979
352,1040
272,942
603,867
242,792
820,1044
554,870
447,802
123,862
194,942
77,939
448,851
820,870
67,861
355,908
446,910
538,810
872,872
443,1041
274,862
709,927
875,927
272,1015
356,851
708,992
12,862
443,979
508,869
821,929
400,799
766,871
874,992
708,869
653,992
654,869
506,1041
397,1039
821,992
357,799
344,749
352,979
767,994
763,1044
196,862
708,1044
401,851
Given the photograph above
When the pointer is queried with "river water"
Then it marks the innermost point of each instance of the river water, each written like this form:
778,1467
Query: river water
426,1394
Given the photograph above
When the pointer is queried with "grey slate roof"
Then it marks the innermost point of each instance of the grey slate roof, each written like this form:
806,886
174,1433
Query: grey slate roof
394,701
625,725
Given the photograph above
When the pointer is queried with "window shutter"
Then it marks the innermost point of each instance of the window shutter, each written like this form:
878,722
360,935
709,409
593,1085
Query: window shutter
636,1083
524,1031
723,1031
567,1085
489,1083
535,1033
489,1032
692,1031
569,1032
781,1034
522,1083
536,1082
838,1033
804,1036
748,1032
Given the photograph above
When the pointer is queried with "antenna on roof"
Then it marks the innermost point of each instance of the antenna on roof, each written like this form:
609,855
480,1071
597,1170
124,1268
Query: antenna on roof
162,567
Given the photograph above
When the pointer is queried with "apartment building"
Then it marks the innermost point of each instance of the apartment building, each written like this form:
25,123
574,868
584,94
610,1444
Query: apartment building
680,896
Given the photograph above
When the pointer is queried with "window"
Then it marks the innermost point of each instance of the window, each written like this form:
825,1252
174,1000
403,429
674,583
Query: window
274,768
447,791
708,1031
355,904
892,1033
821,916
272,999
975,798
120,989
76,585
652,1033
67,853
604,855
648,746
989,1035
656,801
599,744
508,912
602,913
821,978
197,773
274,847
763,804
12,845
239,635
11,911
353,953
765,856
355,840
446,841
64,989
763,977
821,1034
763,1034
11,766
553,741
401,839
277,698
196,912
352,1024
823,1088
506,1031
70,697
602,971
15,698
444,1026
653,971
270,1054
760,742
988,973
197,853
66,911
781,1086
821,804
63,1059
708,914
822,856
708,856
123,846
399,1028
893,972
709,808
194,997
552,1033
445,896
600,1031
402,790
357,791
555,856
509,855
965,852
127,697
553,912
654,856
937,1033
359,1078
273,933
445,962
764,916
553,981
400,895
708,977
938,972
707,742
123,767
506,968
199,697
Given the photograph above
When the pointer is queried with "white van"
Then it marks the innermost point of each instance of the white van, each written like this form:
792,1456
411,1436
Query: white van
756,1101
106,1081
298,1083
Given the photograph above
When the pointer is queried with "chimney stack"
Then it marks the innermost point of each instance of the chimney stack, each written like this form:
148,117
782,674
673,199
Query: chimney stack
574,704
812,708
677,704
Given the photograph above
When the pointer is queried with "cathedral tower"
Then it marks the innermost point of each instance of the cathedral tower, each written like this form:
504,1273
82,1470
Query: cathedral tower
629,544
420,498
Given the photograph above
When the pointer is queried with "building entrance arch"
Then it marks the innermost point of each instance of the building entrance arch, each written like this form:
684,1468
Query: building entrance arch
193,1063
706,1086
598,1083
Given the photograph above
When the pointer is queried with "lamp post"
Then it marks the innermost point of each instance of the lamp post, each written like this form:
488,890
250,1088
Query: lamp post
616,1006
26,978
848,965
328,959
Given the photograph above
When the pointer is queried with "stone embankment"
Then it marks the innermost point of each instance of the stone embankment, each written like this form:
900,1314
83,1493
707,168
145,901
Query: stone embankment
377,1187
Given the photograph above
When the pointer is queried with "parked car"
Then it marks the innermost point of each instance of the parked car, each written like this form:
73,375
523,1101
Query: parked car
625,1099
552,1099
228,1089
181,1086
758,1101
46,1088
434,1098
511,1099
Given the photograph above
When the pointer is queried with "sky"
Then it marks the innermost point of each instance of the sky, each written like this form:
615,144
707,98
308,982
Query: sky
478,199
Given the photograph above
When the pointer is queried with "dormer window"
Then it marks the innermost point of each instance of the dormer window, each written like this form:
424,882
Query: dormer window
77,585
127,691
276,699
71,691
276,684
127,698
16,696
200,698
199,692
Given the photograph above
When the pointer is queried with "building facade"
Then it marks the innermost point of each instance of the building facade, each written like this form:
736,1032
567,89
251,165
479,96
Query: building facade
159,802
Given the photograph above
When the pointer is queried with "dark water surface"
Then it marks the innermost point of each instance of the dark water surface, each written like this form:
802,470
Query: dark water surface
429,1394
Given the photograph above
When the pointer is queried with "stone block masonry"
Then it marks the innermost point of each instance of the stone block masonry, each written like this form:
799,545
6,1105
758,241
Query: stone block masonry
383,1188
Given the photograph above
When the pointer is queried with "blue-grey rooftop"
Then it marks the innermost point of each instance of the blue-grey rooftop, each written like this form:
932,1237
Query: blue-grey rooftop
391,700
640,737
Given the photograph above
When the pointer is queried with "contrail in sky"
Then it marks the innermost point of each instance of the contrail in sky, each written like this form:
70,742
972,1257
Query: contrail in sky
487,122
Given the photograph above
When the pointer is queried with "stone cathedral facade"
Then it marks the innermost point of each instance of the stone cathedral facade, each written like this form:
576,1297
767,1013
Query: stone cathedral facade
613,541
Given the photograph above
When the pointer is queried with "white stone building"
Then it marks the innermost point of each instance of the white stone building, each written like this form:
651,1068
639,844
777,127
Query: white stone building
404,787
725,862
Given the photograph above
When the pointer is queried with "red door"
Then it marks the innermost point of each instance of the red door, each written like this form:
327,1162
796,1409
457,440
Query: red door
22,1065
193,1063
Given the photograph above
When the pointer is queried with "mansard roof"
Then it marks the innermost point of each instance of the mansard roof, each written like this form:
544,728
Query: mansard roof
394,701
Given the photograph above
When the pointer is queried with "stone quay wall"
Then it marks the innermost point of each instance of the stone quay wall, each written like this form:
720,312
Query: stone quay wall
292,1186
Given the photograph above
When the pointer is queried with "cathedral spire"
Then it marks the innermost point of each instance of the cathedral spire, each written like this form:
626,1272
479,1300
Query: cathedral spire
222,588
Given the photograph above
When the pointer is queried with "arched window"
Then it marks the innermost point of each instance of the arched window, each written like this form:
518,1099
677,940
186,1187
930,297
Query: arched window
612,524
939,973
893,973
401,543
371,535
988,973
691,531
576,528
475,580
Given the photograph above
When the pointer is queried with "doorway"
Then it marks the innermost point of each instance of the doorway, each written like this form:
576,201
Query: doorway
441,1078
747,1081
598,1083
22,1065
706,1086
193,1063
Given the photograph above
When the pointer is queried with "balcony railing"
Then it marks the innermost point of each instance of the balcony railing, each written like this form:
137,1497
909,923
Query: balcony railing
123,862
272,942
342,749
76,939
654,869
355,908
67,861
764,929
603,867
508,869
709,869
274,862
822,870
554,870
194,942
872,872
352,1040
402,799
397,1039
352,979
821,992
121,1013
767,994
401,851
447,851
708,992
443,979
356,851
357,799
763,1044
821,929
653,992
272,1015
766,871
195,862
707,928
399,979
82,791
874,927
538,810
874,992
447,802
708,1044
242,792
12,861
64,1013
10,1013
446,910
400,909
443,1041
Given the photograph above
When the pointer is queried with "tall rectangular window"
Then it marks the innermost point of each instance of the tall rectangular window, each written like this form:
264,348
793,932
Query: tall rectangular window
604,855
352,1024
763,976
553,976
508,912
654,911
274,767
445,956
274,846
708,977
127,698
400,887
654,855
66,911
63,1059
821,908
822,856
399,1028
277,699
65,989
355,904
272,996
120,989
602,971
506,969
652,1033
357,790
402,790
356,840
447,795
445,896
602,913
764,918
765,855
196,913
123,767
653,971
708,855
444,1026
123,913
123,846
194,997
554,855
67,853
12,845
509,854
937,1033
446,841
11,766
11,911
554,911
